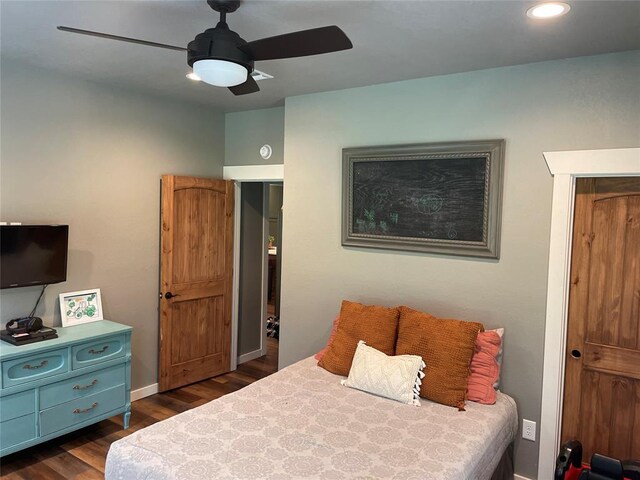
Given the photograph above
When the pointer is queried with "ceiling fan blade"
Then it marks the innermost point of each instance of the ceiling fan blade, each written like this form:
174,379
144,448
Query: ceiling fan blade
120,39
298,44
250,86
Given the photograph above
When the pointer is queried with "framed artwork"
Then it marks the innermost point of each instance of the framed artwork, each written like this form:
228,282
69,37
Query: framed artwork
436,197
80,307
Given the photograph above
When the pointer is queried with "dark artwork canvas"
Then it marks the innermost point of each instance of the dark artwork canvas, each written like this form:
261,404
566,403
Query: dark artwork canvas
432,197
440,198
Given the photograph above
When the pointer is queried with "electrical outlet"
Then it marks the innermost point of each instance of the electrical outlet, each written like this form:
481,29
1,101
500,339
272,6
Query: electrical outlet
529,430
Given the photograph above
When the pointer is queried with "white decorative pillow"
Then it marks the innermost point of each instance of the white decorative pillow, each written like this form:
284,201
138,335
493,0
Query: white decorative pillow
398,378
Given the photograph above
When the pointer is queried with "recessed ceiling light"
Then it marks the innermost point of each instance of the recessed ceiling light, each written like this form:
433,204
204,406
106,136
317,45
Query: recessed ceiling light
193,76
548,10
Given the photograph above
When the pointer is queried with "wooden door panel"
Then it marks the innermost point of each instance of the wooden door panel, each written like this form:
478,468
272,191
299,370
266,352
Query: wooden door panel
596,408
199,217
602,377
614,186
598,271
195,371
198,317
635,424
197,271
614,360
615,274
578,309
216,185
608,249
629,336
606,408
622,389
199,290
589,385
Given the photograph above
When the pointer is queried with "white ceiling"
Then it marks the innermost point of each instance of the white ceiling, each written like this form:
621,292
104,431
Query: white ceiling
393,40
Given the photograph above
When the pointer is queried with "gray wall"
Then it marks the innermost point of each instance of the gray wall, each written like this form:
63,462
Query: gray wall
275,206
246,132
91,156
251,249
584,103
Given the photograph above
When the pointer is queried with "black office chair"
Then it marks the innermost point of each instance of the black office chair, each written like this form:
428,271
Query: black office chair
569,466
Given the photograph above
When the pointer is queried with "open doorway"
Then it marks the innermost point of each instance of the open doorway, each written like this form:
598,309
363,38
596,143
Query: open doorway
274,209
259,230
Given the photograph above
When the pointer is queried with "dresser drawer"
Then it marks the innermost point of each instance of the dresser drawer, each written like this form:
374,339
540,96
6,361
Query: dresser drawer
34,367
96,351
18,430
18,405
81,410
81,386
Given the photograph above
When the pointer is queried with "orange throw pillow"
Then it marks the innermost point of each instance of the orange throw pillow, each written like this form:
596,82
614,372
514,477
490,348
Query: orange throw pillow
377,326
484,368
318,356
446,346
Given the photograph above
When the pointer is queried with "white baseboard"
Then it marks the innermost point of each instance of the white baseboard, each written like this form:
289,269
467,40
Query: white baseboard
520,477
144,392
250,356
153,388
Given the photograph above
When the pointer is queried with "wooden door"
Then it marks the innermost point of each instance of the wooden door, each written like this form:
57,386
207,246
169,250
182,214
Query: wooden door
602,376
196,279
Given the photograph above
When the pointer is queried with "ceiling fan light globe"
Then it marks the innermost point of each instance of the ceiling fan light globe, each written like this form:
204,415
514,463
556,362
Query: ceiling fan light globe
220,72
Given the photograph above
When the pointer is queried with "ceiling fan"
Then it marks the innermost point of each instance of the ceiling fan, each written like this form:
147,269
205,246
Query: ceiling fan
219,56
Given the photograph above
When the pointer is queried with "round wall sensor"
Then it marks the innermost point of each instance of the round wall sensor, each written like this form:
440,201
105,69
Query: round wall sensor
266,151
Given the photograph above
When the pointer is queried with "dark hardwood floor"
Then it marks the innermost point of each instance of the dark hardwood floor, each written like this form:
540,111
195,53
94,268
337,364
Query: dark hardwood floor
82,454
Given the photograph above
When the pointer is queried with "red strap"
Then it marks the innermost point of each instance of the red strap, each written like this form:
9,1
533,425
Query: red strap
573,473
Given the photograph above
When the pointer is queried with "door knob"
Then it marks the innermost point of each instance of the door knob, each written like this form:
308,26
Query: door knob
576,353
170,295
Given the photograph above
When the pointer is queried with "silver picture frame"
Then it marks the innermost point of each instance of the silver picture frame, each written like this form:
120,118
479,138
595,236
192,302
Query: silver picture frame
442,198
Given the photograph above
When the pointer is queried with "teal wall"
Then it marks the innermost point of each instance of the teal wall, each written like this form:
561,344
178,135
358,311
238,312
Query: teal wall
91,156
574,104
246,132
250,332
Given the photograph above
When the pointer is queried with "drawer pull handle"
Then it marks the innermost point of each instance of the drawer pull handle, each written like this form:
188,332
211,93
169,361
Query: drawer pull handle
98,352
85,410
35,367
84,387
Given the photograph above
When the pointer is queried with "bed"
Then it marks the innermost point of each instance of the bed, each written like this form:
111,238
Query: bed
302,423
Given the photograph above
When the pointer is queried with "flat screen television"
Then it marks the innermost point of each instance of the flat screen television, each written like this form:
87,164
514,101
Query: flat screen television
33,255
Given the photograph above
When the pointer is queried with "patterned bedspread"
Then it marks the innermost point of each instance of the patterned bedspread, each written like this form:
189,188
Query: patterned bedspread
301,423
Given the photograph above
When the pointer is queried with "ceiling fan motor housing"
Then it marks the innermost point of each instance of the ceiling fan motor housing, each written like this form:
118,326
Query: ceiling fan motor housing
226,6
218,44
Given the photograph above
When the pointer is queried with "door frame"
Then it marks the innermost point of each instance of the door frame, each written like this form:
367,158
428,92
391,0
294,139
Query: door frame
245,173
566,167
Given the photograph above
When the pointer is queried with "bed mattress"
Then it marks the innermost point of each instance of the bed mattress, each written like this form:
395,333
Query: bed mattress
301,423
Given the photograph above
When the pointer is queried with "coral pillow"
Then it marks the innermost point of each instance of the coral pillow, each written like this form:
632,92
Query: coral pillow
318,356
485,370
499,331
446,346
377,326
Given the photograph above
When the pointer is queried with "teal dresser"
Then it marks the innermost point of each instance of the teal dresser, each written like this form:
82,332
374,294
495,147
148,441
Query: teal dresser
56,386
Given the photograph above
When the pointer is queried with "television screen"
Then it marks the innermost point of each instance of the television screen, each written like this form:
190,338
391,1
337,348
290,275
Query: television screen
33,255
